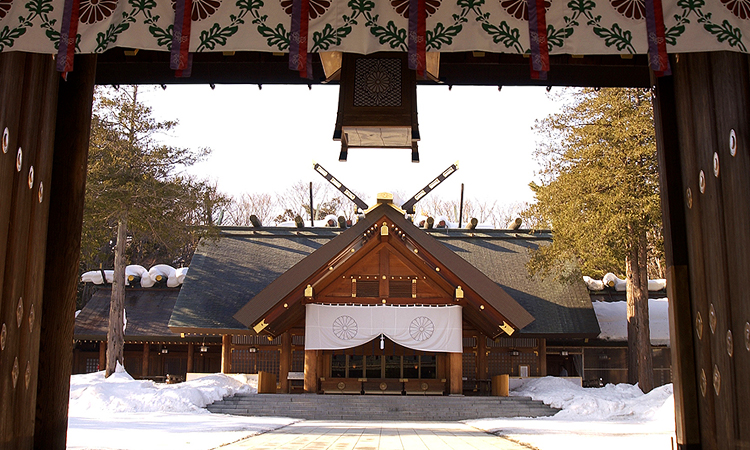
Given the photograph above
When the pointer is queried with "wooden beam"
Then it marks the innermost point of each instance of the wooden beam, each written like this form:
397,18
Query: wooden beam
226,353
311,371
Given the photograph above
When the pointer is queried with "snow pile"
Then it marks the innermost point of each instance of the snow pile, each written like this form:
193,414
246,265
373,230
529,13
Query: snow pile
613,320
611,402
148,278
620,285
92,394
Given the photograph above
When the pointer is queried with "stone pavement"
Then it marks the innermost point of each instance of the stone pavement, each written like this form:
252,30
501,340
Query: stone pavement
319,435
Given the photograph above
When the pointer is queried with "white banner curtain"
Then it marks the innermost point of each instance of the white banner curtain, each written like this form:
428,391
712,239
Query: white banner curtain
426,328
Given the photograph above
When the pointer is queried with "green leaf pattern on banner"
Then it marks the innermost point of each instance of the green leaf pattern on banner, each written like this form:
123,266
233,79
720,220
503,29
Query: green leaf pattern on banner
582,20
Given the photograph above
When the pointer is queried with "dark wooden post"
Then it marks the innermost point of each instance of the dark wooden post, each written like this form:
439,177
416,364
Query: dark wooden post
102,354
285,361
481,356
66,195
311,371
190,356
226,353
673,196
543,357
146,356
455,361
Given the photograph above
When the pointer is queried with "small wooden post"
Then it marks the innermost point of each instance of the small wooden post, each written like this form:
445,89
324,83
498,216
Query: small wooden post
542,357
190,359
102,354
226,353
481,356
146,356
455,360
311,371
285,361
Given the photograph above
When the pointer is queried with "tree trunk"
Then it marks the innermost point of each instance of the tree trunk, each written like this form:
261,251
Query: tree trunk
640,365
115,333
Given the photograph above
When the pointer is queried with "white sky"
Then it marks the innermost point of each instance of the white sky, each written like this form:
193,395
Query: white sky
265,140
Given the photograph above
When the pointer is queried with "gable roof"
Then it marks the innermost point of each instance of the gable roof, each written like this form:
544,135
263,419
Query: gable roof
337,251
226,274
147,312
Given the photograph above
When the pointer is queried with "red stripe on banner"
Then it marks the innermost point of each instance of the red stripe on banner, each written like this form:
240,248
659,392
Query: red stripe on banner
421,38
70,44
541,18
303,30
661,41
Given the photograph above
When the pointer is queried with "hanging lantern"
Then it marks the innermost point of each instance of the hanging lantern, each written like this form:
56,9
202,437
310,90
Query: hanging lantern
377,100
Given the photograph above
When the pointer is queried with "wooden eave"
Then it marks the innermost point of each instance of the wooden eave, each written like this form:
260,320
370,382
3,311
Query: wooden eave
281,304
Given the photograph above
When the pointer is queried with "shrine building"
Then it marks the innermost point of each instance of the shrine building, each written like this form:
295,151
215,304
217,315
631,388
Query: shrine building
381,307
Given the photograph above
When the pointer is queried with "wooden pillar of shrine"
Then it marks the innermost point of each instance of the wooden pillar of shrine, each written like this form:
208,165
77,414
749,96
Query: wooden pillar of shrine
311,371
190,356
285,361
455,364
226,353
146,356
542,357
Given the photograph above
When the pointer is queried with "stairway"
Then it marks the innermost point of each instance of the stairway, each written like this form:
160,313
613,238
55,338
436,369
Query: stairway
379,407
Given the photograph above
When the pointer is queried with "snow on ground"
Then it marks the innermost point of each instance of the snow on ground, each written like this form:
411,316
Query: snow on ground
122,413
126,414
613,417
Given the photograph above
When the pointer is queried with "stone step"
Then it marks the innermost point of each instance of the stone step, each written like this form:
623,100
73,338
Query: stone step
380,407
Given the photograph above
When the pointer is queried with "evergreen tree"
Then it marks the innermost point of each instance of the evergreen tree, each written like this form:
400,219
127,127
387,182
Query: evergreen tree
599,193
137,200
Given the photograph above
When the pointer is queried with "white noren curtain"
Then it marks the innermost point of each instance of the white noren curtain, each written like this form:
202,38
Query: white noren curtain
427,328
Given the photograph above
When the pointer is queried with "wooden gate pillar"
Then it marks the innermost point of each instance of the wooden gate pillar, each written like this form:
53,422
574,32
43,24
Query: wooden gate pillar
190,357
28,106
703,140
146,357
66,193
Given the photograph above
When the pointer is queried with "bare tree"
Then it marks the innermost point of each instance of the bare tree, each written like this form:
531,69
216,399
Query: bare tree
239,210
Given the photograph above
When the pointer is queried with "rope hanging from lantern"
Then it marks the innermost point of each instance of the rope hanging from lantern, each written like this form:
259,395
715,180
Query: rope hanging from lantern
417,37
68,34
538,39
181,60
299,59
657,42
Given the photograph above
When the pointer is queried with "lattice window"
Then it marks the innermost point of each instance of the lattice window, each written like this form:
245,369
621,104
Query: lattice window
268,361
259,339
470,342
469,365
400,288
368,288
377,82
298,361
92,365
498,364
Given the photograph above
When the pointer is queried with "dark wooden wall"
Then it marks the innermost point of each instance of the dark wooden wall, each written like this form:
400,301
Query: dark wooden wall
707,224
